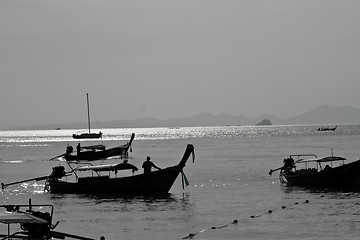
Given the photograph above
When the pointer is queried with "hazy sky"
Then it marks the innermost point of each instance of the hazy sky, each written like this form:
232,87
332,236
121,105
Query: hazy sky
175,58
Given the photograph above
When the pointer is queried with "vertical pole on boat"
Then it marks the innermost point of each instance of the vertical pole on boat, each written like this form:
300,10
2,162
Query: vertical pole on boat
30,207
9,230
182,180
88,110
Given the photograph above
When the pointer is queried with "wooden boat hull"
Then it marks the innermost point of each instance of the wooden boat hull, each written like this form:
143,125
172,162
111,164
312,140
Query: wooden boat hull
345,175
155,182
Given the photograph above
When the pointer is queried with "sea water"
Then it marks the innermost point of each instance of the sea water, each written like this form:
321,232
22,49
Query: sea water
229,181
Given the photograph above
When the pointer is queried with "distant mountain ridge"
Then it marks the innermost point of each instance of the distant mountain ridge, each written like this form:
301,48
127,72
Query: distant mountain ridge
324,114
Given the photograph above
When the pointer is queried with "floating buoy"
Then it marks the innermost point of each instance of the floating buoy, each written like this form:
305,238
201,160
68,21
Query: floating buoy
283,207
235,221
270,211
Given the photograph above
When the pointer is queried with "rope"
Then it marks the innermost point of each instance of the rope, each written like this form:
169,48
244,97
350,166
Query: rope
236,221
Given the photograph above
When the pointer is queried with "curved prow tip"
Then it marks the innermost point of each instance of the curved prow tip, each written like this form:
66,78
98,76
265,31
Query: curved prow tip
189,150
132,137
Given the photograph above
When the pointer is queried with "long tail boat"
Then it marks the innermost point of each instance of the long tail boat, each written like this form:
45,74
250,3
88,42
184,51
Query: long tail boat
97,152
35,223
102,181
309,170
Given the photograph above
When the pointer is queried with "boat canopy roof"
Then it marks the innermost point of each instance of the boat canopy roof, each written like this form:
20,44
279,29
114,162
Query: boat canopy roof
108,167
19,217
320,160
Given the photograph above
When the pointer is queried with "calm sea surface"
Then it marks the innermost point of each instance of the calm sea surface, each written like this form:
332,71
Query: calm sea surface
229,180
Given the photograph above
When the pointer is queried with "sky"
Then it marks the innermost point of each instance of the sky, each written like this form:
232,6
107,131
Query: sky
175,58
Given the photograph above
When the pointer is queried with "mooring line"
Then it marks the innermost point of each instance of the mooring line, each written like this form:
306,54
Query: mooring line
236,221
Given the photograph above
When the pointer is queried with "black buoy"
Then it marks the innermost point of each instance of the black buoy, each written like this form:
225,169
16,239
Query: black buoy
235,221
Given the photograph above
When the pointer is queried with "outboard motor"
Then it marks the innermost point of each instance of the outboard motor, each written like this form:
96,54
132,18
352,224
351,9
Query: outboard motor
58,172
69,150
288,164
37,230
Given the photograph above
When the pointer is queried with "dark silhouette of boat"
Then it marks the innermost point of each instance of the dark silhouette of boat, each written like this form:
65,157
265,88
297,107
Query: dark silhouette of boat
156,182
327,128
34,222
88,134
313,173
96,152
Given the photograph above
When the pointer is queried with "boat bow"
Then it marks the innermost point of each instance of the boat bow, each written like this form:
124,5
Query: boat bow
189,150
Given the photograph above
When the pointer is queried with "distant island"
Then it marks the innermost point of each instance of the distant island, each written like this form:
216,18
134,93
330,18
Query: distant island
265,122
323,115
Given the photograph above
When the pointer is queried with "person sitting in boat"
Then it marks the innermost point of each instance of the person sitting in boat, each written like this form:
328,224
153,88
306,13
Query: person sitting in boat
147,165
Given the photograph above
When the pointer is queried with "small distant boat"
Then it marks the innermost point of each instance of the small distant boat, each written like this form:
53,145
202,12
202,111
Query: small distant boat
308,170
35,224
88,134
97,152
99,180
327,128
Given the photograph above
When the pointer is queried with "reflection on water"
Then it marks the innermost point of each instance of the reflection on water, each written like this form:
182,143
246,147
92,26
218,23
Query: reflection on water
119,134
127,203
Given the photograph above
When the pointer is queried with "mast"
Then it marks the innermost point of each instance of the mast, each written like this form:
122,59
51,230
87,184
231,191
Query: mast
88,109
